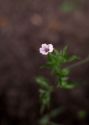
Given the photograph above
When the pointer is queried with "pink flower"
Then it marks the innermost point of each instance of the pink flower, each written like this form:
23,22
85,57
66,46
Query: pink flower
46,48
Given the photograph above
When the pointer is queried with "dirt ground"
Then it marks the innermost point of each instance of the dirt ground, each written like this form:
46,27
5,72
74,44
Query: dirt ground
24,26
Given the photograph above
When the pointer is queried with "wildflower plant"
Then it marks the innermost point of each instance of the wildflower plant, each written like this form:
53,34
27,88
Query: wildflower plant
55,61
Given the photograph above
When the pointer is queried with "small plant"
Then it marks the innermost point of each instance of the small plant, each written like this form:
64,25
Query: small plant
56,60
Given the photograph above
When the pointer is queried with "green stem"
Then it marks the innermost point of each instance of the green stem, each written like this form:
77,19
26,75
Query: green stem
79,63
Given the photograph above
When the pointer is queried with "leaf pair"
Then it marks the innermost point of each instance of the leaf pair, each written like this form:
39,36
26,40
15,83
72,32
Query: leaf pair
45,91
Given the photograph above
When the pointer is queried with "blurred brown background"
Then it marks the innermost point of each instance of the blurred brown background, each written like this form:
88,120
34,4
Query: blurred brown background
24,26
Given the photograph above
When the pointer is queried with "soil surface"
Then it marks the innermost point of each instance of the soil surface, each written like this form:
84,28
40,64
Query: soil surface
24,26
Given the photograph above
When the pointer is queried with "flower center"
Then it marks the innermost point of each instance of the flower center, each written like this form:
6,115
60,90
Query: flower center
46,49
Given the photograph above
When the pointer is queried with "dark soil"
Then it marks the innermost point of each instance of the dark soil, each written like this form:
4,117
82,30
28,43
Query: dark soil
24,26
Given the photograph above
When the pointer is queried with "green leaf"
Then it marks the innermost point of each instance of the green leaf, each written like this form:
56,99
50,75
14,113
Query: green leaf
56,52
73,58
63,55
67,7
65,50
64,72
82,114
44,99
44,120
42,82
45,91
69,85
65,83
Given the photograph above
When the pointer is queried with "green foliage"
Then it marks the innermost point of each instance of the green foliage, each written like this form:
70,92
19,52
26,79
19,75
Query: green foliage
46,119
73,58
42,82
67,7
55,62
82,114
45,91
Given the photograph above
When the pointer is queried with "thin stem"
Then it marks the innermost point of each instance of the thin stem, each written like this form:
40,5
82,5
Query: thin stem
79,63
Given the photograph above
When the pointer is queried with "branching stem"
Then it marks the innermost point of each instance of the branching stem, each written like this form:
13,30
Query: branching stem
79,63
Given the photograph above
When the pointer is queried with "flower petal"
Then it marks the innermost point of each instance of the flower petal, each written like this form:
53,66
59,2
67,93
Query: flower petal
50,47
44,45
42,51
